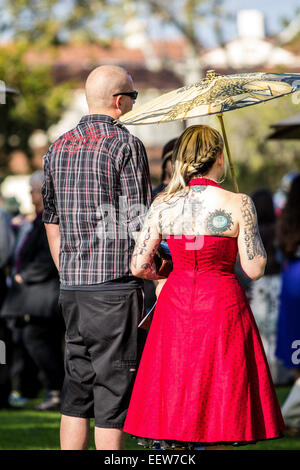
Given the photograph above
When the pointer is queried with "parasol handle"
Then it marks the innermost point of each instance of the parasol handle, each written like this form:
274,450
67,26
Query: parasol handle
236,188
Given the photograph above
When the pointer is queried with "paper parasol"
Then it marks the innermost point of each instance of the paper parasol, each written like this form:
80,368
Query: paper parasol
214,94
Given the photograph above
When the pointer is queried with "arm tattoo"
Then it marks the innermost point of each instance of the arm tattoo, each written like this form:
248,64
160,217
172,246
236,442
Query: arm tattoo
218,221
149,268
141,247
166,217
149,271
253,242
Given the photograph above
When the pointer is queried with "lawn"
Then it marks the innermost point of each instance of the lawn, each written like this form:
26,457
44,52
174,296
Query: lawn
31,430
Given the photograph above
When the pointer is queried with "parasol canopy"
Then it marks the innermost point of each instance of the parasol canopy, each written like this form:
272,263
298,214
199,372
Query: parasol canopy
214,94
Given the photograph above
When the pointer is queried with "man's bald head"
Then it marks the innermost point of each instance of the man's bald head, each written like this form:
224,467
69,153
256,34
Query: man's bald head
102,83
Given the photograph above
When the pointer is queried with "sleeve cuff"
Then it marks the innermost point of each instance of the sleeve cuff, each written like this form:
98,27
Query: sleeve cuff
50,218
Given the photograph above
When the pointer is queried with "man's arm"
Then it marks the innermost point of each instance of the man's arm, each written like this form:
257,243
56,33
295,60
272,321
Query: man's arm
132,165
53,235
50,215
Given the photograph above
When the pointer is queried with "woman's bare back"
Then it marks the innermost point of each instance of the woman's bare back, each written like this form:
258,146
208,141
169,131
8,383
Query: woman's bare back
202,210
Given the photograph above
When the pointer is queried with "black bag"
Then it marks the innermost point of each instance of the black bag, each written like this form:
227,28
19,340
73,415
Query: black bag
33,300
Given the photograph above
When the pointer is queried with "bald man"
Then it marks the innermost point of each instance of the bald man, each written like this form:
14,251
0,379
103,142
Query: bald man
96,193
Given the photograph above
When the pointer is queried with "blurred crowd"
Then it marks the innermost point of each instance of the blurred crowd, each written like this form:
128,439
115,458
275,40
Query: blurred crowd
30,324
32,327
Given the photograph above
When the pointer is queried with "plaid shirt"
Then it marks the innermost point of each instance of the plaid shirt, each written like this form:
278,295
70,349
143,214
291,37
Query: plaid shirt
97,188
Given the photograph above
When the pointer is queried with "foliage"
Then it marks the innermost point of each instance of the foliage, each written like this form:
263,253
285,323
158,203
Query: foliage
35,25
39,104
55,21
260,162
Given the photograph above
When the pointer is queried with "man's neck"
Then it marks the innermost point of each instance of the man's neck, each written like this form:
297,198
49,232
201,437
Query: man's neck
106,112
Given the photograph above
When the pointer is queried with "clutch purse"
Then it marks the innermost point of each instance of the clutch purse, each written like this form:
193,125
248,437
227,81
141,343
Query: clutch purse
164,265
163,260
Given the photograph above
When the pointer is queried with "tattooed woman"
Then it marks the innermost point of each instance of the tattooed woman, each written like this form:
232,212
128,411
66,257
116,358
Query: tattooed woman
203,379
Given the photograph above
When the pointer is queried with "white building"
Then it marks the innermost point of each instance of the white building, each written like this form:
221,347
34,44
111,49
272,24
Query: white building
251,50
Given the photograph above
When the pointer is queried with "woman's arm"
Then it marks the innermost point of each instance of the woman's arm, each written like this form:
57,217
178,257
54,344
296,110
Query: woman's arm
142,261
253,256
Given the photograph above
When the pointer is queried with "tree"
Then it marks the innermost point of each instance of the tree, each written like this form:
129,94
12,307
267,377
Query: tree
260,162
291,29
39,104
55,21
51,22
38,24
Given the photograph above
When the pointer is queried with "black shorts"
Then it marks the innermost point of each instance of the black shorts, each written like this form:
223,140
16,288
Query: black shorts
103,349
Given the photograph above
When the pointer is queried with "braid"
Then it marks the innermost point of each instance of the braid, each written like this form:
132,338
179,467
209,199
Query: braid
195,152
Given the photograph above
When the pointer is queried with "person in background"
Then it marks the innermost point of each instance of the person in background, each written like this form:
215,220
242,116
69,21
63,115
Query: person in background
33,298
166,167
288,330
23,370
280,196
6,250
16,184
264,293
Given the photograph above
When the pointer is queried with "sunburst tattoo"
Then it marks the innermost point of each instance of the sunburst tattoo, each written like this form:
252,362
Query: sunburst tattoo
218,221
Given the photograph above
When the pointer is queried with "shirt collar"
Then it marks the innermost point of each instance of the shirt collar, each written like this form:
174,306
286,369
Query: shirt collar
100,118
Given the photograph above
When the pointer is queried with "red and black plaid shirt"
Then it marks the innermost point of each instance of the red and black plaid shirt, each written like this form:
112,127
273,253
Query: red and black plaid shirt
97,188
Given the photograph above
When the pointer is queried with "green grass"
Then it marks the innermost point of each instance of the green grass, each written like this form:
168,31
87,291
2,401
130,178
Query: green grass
286,443
26,429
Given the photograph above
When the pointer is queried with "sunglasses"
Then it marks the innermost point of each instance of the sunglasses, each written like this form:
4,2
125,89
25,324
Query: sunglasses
133,94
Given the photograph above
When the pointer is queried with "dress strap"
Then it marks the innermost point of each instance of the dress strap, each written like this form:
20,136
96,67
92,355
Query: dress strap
204,182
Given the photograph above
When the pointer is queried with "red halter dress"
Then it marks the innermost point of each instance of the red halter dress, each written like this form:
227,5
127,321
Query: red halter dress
203,376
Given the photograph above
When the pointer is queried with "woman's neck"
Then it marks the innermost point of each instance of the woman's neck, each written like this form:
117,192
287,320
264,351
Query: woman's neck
209,176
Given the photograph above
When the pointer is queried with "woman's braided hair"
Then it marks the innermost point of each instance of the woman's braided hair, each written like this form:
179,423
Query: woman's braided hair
195,152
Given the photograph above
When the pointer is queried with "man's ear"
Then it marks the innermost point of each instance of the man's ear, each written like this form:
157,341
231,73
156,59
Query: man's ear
118,103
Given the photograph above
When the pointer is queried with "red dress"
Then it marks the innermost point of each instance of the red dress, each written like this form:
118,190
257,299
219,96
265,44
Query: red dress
204,376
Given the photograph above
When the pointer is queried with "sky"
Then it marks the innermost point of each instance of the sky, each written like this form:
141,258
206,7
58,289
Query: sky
273,10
